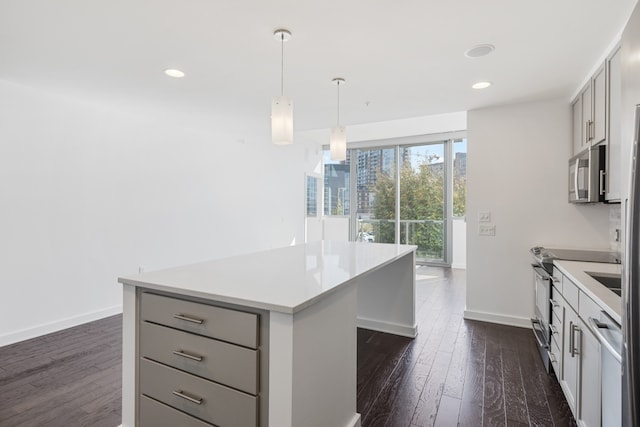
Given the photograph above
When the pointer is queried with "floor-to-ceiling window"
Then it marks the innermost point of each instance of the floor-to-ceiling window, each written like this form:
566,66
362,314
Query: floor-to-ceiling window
375,190
337,200
409,190
423,207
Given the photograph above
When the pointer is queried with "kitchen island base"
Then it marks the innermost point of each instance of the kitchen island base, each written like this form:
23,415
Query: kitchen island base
308,359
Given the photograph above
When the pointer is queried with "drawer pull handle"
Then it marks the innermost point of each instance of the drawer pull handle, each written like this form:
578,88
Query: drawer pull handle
554,303
188,319
188,356
182,394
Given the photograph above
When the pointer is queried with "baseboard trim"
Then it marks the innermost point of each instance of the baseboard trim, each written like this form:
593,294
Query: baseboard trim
391,328
47,328
521,322
355,422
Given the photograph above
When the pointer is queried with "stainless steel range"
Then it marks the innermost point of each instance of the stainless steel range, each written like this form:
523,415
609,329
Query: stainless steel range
543,280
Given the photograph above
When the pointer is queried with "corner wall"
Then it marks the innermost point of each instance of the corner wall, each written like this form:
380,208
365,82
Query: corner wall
517,170
90,193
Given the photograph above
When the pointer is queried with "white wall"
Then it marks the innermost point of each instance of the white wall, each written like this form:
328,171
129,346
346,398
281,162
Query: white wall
459,243
90,193
517,170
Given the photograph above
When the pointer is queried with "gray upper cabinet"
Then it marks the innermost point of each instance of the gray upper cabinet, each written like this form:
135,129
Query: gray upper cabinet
589,113
614,139
599,107
596,120
581,110
577,137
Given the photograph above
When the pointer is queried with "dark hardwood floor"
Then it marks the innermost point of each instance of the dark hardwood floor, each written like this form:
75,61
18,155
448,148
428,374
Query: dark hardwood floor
68,378
456,372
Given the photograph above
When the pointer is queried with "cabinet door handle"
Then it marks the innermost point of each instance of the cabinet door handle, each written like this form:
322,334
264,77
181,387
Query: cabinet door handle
592,128
602,182
553,328
574,348
188,356
188,319
182,394
554,302
571,338
587,132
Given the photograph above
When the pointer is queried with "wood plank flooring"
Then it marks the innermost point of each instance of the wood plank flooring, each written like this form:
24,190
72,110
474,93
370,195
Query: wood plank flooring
456,372
68,378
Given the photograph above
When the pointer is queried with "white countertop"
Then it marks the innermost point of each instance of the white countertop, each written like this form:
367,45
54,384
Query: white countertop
286,279
576,271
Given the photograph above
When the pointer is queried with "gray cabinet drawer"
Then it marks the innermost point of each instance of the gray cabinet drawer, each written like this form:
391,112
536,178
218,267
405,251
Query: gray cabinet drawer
570,293
222,323
203,399
221,362
156,414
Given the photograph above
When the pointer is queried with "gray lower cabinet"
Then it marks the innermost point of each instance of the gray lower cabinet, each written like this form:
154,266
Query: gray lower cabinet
198,364
578,367
571,358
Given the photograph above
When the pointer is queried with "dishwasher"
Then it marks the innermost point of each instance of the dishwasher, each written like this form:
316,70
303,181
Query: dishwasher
609,334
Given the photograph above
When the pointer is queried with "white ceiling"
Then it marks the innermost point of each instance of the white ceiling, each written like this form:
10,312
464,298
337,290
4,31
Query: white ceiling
400,58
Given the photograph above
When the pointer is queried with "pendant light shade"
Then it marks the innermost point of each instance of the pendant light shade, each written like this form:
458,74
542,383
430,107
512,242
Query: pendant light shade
282,106
282,120
338,143
338,140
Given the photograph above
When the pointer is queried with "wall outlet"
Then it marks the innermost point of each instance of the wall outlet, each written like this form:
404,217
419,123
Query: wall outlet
484,216
140,269
487,230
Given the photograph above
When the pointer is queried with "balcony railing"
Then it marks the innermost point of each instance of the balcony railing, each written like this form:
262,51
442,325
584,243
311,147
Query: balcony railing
428,235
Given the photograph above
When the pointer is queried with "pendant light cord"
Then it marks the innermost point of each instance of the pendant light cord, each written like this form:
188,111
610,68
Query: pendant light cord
338,109
282,65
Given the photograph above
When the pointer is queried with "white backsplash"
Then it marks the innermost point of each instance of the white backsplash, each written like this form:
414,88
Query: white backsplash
615,227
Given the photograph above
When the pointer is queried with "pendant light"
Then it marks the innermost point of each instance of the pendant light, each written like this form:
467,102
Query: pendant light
282,106
338,141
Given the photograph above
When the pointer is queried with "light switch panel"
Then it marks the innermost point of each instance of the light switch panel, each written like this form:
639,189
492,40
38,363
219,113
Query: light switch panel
487,230
484,216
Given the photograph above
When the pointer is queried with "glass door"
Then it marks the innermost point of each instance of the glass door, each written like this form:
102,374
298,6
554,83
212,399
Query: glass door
423,204
410,194
375,190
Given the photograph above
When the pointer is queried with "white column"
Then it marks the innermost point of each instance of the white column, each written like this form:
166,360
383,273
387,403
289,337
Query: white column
129,329
280,369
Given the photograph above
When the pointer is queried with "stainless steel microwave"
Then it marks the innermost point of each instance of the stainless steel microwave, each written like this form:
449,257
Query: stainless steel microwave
587,176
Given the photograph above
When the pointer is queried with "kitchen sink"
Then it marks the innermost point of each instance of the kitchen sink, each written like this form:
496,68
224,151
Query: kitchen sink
611,281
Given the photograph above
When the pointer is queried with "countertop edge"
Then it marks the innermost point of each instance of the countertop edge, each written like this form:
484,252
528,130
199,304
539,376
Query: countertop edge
252,303
206,296
569,268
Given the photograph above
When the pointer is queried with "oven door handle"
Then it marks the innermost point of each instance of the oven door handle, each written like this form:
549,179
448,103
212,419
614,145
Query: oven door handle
537,331
596,325
541,272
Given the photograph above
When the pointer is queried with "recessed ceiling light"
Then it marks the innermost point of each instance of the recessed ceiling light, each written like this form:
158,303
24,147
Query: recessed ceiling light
481,85
172,72
479,50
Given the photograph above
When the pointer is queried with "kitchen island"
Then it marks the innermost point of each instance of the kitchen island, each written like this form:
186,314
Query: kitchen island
285,320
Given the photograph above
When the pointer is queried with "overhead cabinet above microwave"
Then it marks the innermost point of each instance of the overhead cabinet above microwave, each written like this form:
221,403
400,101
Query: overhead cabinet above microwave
589,113
596,123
